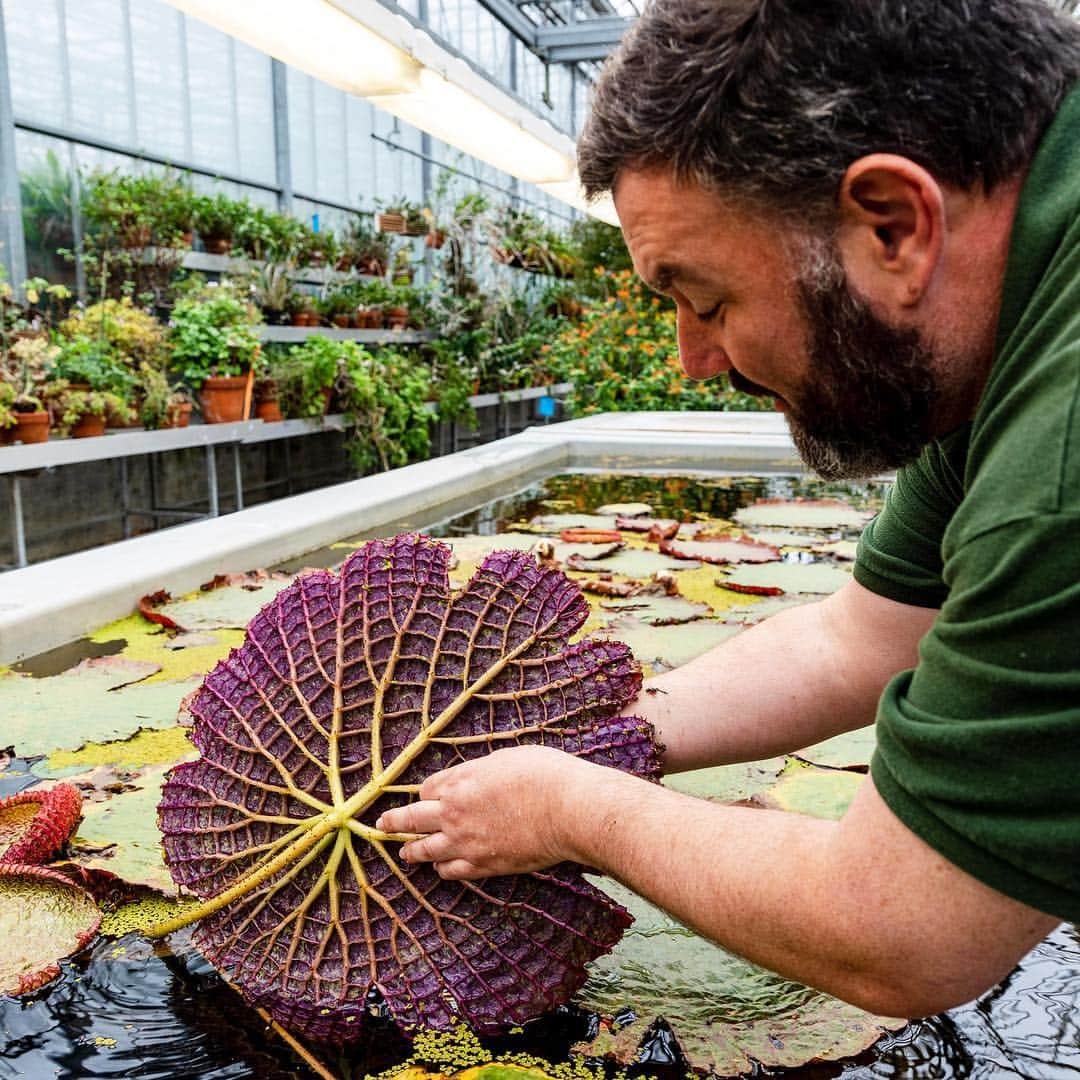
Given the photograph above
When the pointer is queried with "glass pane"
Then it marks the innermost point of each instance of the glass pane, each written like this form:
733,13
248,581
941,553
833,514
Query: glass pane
213,113
301,133
33,44
100,100
159,79
330,173
255,102
45,188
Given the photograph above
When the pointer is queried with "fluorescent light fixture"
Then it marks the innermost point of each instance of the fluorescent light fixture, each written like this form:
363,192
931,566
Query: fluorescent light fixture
571,192
316,37
362,47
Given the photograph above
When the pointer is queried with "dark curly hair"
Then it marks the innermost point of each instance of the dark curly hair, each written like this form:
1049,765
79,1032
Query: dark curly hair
769,101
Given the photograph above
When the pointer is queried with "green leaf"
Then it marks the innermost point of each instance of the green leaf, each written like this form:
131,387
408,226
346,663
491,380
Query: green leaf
821,793
93,702
226,607
728,783
786,577
851,750
627,509
726,1013
802,514
635,562
661,648
657,610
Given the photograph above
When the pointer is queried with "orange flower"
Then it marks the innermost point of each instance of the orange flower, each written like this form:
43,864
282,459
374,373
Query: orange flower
631,331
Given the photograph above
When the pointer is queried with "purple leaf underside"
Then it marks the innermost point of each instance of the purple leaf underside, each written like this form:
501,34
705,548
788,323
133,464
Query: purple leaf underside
349,691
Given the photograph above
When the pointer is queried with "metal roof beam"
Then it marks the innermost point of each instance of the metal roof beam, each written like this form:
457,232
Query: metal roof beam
510,16
590,39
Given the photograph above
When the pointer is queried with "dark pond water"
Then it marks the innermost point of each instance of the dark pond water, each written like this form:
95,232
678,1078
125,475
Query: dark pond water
126,1008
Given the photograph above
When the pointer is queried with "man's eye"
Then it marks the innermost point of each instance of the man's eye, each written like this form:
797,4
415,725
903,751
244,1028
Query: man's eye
705,316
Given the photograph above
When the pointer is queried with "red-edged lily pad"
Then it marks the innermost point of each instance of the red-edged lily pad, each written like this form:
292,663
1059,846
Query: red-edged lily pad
44,918
723,548
34,824
776,578
646,524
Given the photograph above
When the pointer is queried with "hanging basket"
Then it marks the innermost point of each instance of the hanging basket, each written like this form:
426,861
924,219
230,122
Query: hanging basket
390,222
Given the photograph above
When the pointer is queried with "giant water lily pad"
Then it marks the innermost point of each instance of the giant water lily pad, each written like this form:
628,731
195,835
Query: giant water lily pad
34,824
851,750
657,610
727,549
553,524
660,648
98,701
844,550
773,579
229,606
634,562
728,783
347,693
822,793
44,918
787,538
802,514
474,549
120,834
728,1015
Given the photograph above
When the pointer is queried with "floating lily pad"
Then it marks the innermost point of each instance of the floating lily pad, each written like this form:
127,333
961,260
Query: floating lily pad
34,824
728,1015
776,578
821,793
44,917
661,648
227,607
638,563
657,610
554,524
644,524
852,750
163,747
753,610
728,783
803,514
627,509
90,703
474,549
729,549
121,834
786,538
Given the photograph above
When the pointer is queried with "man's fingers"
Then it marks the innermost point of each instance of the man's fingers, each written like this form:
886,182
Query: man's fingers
417,817
459,870
431,848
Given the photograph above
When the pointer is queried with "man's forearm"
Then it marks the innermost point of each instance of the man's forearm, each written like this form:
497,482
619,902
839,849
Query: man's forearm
799,677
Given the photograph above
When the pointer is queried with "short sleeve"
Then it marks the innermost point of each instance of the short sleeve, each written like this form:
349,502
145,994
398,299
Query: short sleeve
979,747
899,554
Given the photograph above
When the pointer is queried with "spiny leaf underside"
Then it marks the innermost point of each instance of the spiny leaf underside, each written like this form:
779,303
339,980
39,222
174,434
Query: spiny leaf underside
349,691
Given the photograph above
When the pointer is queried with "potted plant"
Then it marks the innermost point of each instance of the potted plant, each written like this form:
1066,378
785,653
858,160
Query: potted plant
405,217
366,250
216,219
163,404
339,305
88,388
215,345
271,291
23,374
305,375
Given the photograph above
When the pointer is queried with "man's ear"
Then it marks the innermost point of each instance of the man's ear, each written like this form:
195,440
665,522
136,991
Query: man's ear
892,228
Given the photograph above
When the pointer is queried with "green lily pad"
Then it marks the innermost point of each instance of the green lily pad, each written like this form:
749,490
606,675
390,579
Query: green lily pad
121,834
821,793
657,610
758,609
728,783
553,524
628,509
228,607
730,550
474,549
44,917
785,577
851,750
726,1013
661,648
632,562
93,702
802,514
786,538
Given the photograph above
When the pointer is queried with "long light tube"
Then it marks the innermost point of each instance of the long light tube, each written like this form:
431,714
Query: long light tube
365,49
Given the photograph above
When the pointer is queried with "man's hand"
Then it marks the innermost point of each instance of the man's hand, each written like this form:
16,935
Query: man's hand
500,814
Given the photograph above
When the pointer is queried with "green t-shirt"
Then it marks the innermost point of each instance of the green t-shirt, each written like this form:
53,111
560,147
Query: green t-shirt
979,746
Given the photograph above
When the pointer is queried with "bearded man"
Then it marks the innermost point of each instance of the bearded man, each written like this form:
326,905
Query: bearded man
869,210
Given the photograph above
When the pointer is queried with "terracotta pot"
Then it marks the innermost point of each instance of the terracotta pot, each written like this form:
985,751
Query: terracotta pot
268,411
327,393
30,427
343,264
342,321
217,245
222,399
138,236
397,318
435,239
178,415
88,427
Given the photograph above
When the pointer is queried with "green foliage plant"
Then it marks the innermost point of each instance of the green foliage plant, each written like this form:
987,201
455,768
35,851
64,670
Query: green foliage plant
159,398
213,337
133,335
304,373
624,355
218,217
45,194
384,399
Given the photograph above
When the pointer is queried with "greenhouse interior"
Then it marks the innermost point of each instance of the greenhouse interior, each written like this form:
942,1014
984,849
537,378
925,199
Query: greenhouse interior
537,539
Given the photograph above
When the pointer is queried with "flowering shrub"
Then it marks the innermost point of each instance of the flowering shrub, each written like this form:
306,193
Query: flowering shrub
623,356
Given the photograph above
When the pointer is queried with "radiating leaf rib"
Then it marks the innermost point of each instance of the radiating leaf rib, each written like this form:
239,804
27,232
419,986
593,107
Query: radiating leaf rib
381,677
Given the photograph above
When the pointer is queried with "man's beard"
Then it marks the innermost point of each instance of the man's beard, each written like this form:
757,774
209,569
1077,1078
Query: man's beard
868,403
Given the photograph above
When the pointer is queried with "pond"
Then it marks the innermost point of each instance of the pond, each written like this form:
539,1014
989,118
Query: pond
130,1007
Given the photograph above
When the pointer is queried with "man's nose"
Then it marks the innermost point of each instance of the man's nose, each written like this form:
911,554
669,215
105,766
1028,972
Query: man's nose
700,354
